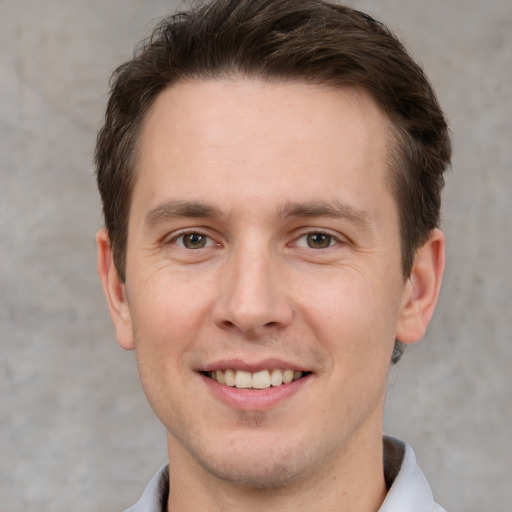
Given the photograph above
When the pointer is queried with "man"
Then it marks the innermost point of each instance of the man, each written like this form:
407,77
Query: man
270,172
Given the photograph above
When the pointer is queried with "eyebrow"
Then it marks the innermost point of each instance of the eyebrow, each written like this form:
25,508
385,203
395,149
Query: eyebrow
335,209
172,209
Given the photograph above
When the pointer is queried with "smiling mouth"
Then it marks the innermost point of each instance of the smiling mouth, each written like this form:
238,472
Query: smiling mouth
263,379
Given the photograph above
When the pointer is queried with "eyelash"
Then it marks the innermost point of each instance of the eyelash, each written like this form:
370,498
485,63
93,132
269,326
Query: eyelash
332,240
209,242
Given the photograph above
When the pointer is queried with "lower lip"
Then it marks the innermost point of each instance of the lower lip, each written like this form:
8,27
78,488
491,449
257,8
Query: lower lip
254,399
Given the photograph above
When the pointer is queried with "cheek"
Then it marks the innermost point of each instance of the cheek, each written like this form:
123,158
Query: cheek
352,316
167,316
168,304
166,329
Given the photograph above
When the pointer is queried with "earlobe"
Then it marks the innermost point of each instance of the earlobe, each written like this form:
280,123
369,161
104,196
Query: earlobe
422,289
114,290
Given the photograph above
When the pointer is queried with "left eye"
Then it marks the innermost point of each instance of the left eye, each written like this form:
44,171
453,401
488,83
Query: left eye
193,241
316,240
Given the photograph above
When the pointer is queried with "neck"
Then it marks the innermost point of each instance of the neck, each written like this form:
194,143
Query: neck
355,483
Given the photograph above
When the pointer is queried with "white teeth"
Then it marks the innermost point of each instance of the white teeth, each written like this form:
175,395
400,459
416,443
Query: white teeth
261,380
287,376
257,380
276,379
243,379
229,377
219,377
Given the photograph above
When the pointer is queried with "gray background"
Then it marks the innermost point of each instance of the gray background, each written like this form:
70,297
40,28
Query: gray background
75,431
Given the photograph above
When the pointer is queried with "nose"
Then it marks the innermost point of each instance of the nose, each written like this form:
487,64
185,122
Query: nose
253,296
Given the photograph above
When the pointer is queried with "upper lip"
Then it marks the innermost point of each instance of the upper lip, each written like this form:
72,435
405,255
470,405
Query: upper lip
254,366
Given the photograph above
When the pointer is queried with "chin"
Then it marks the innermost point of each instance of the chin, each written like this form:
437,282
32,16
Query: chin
257,474
261,463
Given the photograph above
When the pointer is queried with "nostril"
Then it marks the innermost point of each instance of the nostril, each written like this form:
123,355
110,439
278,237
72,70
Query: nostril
251,313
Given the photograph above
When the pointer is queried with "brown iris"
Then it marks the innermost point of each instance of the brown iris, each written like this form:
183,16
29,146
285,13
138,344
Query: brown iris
194,241
318,240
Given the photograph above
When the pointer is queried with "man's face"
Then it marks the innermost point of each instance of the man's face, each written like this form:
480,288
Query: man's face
263,241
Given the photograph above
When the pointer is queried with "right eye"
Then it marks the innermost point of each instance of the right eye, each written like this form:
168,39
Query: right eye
193,240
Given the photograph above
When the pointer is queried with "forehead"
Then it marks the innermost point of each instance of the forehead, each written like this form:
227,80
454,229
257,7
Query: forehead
263,136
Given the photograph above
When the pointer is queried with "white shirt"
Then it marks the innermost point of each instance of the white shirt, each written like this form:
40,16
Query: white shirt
408,488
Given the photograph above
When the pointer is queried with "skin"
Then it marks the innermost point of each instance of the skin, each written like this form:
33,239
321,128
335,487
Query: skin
264,172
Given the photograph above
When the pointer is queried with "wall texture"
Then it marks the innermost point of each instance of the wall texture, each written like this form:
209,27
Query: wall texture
75,431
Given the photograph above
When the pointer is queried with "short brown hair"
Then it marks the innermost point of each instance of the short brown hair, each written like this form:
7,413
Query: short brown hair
310,41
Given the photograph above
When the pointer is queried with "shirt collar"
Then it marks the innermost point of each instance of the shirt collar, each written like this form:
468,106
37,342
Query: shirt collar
155,496
408,487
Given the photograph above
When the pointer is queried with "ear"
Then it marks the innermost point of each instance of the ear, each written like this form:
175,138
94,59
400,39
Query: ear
422,289
115,291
